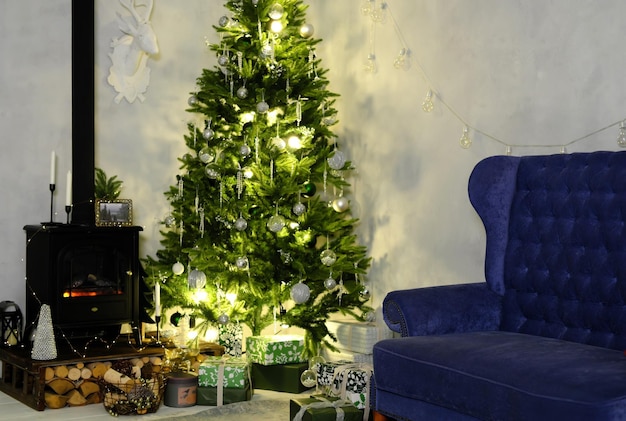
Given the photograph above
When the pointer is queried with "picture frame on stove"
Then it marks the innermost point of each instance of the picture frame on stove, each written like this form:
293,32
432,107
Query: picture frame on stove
114,213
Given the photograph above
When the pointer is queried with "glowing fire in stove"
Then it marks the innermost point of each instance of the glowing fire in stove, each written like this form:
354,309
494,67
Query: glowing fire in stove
73,294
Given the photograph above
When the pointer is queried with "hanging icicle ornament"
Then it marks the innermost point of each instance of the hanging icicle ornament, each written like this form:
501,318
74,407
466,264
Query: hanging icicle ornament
239,182
208,133
621,139
179,196
196,279
428,105
201,225
300,293
465,140
298,111
178,268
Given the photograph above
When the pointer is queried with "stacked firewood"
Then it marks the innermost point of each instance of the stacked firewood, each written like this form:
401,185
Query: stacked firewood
82,384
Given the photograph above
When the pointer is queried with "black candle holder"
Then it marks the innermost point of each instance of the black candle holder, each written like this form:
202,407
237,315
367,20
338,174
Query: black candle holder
68,211
157,342
52,188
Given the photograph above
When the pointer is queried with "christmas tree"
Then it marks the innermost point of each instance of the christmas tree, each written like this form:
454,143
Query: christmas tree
260,229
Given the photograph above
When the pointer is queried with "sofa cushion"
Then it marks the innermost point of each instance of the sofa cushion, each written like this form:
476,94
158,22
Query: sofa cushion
498,375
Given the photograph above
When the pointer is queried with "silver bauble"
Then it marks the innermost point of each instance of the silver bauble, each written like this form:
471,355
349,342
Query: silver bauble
306,30
206,155
178,268
308,378
212,171
299,208
276,11
337,160
193,100
242,93
276,223
241,224
244,150
314,362
300,293
267,51
341,204
262,107
328,257
208,133
242,262
330,283
196,279
224,21
365,293
222,60
223,319
169,221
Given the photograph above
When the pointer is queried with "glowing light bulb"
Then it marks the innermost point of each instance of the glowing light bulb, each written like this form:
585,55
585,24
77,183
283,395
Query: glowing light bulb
370,64
428,104
276,26
402,61
294,142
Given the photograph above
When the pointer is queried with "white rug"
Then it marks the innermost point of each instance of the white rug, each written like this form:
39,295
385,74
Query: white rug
254,410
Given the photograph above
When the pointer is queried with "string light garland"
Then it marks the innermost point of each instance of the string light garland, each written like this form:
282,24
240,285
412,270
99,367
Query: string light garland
377,12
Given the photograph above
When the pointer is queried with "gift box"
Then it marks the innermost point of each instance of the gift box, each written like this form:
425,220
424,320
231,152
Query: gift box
276,349
210,395
357,336
281,378
230,336
322,408
349,381
344,355
230,371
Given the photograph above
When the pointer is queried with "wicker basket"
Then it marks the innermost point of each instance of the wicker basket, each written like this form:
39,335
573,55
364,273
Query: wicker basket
141,396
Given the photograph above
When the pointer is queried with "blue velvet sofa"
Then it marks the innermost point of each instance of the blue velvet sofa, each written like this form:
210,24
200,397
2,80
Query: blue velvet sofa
543,338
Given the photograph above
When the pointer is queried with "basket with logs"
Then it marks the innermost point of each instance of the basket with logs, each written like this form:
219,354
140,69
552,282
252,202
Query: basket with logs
108,382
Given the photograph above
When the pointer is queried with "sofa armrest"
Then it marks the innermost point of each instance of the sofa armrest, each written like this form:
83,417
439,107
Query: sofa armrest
442,309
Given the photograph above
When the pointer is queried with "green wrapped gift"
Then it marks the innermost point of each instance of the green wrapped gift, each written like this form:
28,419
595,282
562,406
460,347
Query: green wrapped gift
275,349
281,378
208,395
234,372
322,408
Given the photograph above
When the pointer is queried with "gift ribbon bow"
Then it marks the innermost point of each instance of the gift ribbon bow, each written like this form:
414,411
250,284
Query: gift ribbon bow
324,403
342,390
220,377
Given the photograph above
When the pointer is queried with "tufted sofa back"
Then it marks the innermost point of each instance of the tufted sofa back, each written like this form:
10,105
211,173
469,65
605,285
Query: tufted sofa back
556,243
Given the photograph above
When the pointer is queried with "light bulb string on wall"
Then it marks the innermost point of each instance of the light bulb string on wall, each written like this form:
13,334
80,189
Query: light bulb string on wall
374,11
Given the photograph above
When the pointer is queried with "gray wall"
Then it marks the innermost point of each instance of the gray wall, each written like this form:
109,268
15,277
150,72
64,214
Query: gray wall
517,73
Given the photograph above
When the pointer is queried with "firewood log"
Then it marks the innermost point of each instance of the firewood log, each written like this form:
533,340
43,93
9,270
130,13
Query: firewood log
118,379
49,374
61,371
88,387
60,385
54,401
75,398
73,373
85,373
98,369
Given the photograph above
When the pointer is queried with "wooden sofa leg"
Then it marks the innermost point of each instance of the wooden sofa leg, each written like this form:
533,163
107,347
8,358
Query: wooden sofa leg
377,416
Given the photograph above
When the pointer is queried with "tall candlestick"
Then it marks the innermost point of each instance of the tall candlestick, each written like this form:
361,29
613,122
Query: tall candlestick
53,167
68,191
157,299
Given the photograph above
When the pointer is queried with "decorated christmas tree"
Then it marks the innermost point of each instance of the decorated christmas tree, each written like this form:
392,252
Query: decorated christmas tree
260,229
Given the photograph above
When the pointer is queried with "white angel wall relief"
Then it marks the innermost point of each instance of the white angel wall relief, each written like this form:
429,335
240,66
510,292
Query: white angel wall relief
129,73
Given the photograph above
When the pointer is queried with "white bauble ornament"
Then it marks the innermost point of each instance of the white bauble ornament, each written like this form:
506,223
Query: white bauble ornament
223,319
267,51
308,378
337,160
300,292
178,268
279,143
299,208
242,262
276,223
206,155
328,257
242,93
196,279
330,283
241,224
262,107
341,204
306,30
255,2
244,150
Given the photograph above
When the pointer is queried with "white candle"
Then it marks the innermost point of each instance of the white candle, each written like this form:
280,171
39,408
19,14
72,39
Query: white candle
157,299
53,167
68,191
